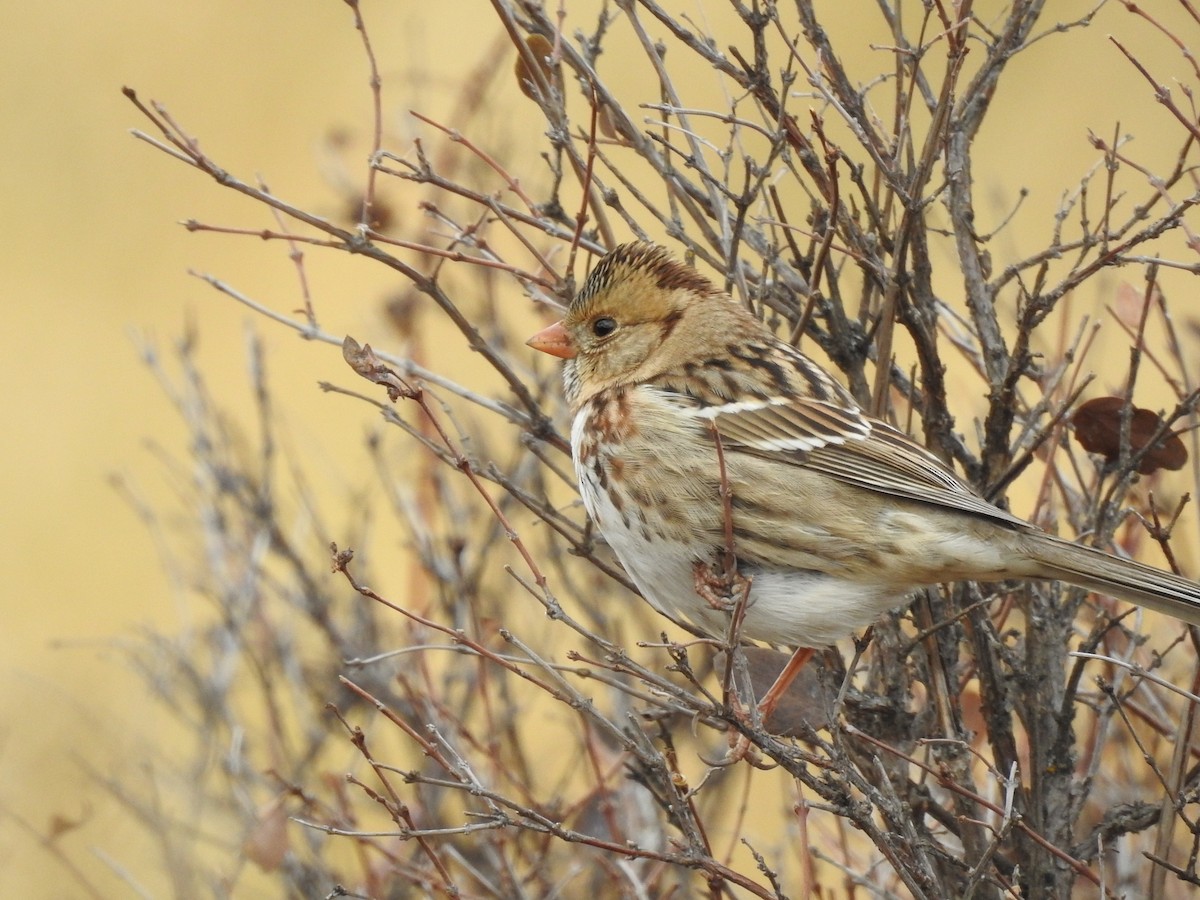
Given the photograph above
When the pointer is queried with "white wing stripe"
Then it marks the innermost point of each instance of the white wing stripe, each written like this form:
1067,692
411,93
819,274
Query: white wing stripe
732,409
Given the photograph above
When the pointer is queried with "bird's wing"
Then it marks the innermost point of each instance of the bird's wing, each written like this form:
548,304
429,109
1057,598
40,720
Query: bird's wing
845,444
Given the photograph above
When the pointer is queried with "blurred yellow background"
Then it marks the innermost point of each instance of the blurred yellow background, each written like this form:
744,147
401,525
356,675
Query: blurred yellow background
93,264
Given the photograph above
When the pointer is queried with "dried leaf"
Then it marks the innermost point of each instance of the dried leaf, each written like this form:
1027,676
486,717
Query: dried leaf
60,824
403,310
541,50
1129,304
1098,430
362,359
605,123
267,843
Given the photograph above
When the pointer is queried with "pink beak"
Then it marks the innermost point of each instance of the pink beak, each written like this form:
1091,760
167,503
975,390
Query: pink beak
555,340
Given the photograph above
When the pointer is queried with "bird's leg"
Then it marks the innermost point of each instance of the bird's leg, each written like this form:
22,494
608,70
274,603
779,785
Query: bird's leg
734,587
783,681
740,747
734,598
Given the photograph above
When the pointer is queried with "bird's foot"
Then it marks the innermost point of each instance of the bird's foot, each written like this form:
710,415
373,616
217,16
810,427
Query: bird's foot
740,746
721,591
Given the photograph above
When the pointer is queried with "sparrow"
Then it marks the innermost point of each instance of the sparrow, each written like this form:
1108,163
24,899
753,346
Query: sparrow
834,517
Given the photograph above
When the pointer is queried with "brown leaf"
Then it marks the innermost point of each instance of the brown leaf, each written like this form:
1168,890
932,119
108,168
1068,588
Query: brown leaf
403,310
362,359
267,843
606,122
541,49
1129,305
1098,430
60,824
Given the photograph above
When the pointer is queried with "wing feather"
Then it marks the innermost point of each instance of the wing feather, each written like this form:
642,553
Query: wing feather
845,444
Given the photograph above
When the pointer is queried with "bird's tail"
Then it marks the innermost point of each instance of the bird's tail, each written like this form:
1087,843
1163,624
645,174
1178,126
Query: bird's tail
1134,582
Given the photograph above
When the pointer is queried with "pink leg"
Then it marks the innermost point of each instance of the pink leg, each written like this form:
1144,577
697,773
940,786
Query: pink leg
783,681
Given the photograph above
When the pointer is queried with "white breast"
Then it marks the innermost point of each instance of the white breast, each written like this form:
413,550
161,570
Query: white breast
661,568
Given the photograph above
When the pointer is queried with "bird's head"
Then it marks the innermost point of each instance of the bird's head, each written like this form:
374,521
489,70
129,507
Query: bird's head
639,315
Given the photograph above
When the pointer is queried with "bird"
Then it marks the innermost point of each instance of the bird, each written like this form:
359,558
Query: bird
698,431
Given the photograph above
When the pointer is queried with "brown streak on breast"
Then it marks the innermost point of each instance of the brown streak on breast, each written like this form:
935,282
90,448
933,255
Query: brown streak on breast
610,419
601,472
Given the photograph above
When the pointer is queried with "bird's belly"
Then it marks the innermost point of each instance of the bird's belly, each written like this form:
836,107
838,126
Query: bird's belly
662,567
794,607
803,608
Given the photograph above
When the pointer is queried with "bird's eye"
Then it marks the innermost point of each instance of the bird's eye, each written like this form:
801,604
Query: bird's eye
604,326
